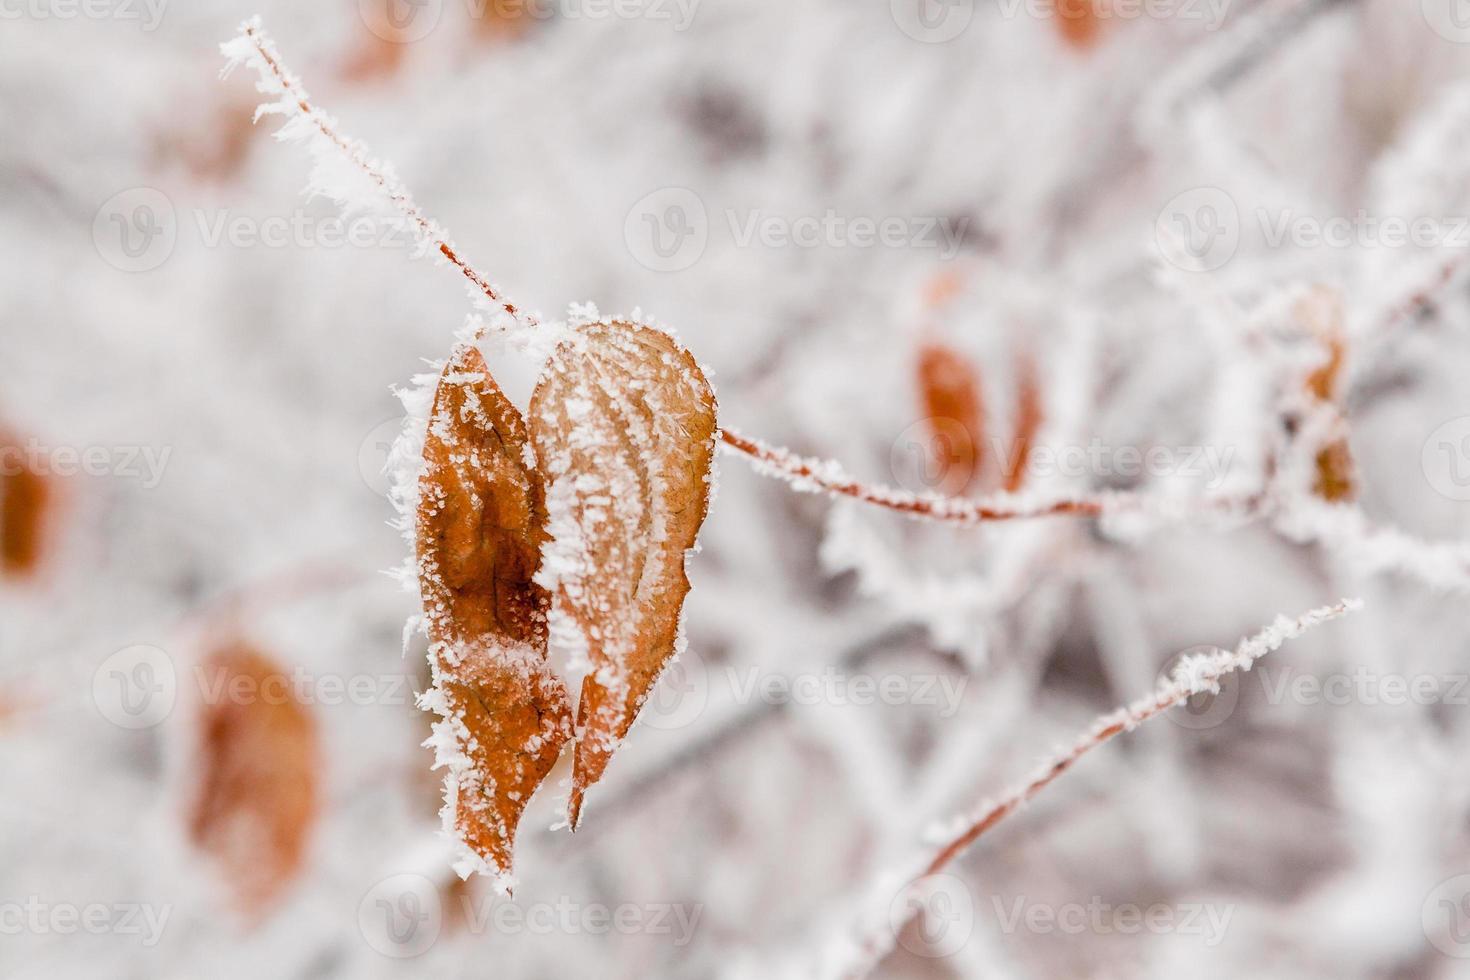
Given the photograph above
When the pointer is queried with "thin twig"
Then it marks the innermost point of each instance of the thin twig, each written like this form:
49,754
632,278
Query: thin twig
356,151
1423,298
1194,675
825,476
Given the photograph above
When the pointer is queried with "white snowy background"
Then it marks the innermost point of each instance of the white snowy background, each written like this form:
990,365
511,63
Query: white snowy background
1309,822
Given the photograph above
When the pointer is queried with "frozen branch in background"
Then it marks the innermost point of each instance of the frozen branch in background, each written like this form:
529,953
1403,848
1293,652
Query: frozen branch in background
1215,66
1369,549
1422,175
1423,299
1194,675
810,475
1199,674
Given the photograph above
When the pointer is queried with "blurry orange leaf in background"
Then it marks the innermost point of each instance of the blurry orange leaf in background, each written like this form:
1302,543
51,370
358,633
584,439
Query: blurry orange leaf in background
258,798
1028,423
388,41
1079,22
503,19
216,146
376,58
950,392
1335,469
26,498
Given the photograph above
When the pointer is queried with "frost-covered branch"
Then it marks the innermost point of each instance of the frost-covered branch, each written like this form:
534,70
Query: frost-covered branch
1371,549
811,475
1198,674
1213,67
331,148
1194,675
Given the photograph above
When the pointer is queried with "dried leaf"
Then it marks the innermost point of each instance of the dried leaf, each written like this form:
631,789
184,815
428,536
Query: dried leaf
505,19
1029,417
25,503
384,50
950,393
624,424
1079,22
481,523
1335,480
255,809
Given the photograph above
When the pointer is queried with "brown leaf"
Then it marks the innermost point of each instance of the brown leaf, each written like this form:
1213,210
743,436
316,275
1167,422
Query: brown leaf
25,505
499,20
950,393
480,525
624,424
1334,480
255,809
1321,309
1079,21
1029,417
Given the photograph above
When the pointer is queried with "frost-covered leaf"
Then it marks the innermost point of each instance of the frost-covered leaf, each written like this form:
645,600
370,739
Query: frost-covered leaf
254,811
624,425
481,522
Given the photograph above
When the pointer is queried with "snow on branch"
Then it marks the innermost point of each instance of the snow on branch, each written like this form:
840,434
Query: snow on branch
811,475
1371,549
1194,675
